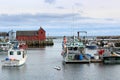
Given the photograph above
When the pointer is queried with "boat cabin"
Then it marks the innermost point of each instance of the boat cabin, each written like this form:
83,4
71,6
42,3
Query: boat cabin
5,46
17,54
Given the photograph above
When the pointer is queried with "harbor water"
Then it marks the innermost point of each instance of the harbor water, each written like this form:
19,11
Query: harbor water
41,63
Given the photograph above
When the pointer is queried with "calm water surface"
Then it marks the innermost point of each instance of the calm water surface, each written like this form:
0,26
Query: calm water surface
41,62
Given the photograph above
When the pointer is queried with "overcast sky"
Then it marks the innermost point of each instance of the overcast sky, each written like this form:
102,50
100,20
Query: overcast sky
61,17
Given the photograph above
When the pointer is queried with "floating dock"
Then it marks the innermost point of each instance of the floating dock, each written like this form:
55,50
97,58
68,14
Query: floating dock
85,61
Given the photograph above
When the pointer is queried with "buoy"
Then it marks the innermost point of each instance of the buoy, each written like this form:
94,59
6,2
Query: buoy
57,68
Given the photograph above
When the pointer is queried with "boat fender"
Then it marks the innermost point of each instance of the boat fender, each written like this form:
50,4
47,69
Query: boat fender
12,59
7,59
57,67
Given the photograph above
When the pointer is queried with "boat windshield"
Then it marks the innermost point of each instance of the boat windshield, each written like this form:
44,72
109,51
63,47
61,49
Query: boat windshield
18,53
73,48
11,52
4,44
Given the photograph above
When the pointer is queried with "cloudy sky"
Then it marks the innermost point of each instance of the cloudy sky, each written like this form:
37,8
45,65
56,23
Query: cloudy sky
61,17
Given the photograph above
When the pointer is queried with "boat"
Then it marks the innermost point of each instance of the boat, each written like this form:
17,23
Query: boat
19,44
92,45
74,51
5,46
111,57
116,48
111,60
16,57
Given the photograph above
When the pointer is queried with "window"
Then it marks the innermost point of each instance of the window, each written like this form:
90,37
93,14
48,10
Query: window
23,55
36,33
69,48
41,32
18,53
75,48
4,44
11,52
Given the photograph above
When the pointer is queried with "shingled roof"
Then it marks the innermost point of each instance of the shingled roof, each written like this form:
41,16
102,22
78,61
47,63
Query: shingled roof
26,33
3,34
41,29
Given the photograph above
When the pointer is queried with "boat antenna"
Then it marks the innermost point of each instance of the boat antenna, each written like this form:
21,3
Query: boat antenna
73,19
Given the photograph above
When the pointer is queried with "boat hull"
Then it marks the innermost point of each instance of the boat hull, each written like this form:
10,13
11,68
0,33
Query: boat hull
111,60
75,58
13,63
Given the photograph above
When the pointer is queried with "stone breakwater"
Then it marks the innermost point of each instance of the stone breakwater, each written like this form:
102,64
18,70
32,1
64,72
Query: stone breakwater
115,39
108,37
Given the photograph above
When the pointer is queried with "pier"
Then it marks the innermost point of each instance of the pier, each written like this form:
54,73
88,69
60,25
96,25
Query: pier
85,61
37,44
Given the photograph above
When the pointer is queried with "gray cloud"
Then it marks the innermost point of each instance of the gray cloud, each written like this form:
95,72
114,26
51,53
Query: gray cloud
29,19
44,19
50,1
109,19
78,4
60,7
53,23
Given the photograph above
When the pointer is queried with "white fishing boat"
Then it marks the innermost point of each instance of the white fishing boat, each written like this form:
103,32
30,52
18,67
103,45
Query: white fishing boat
74,51
16,57
5,46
